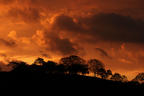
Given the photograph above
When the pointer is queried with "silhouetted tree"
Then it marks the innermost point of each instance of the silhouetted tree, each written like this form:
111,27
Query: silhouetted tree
84,69
74,64
37,66
95,66
19,66
118,77
49,67
102,73
34,68
108,73
125,79
39,61
44,67
139,78
78,68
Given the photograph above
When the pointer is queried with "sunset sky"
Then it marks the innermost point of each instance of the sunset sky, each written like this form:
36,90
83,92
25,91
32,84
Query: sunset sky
109,30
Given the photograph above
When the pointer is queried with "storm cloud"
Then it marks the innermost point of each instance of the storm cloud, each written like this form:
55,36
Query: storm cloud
52,42
109,27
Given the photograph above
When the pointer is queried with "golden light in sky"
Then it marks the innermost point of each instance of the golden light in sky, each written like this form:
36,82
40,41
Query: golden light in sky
109,30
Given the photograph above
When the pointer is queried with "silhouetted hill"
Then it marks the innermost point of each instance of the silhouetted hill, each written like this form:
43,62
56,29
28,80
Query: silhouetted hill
45,79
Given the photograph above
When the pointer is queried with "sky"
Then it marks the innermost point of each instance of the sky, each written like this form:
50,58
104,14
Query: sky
109,30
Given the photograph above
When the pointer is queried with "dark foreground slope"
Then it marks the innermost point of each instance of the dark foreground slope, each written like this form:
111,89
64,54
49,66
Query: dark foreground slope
46,79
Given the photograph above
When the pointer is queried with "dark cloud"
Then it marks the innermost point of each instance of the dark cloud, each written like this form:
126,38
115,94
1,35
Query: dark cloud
114,27
134,8
65,22
64,46
109,27
52,42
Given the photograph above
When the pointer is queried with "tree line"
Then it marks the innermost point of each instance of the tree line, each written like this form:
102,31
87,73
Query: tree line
71,65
